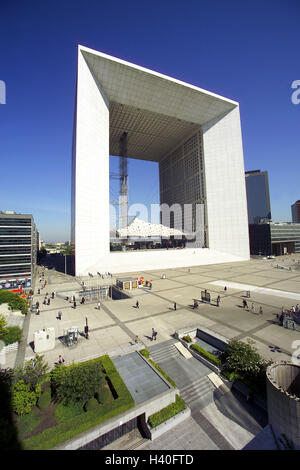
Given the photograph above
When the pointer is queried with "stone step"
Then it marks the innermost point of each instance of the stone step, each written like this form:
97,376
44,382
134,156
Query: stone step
163,353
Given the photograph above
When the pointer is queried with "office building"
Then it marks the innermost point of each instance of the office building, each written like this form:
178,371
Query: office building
296,212
258,196
18,249
194,135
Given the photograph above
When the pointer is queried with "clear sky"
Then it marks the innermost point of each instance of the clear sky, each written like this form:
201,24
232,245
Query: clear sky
247,51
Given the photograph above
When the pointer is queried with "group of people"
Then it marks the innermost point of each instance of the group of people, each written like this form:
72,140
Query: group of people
287,317
252,308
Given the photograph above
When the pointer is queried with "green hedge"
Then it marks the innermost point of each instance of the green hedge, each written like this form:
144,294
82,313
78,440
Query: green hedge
145,353
68,429
11,335
14,301
167,412
103,395
187,338
210,357
91,404
163,373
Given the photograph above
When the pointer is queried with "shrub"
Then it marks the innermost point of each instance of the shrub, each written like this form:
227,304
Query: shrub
103,395
213,359
22,399
11,335
14,301
45,398
187,338
91,404
167,412
145,353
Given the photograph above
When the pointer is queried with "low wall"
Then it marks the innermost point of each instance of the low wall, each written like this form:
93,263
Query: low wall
212,338
156,432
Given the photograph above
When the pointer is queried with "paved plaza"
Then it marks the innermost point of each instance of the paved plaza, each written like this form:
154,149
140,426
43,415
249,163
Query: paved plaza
114,327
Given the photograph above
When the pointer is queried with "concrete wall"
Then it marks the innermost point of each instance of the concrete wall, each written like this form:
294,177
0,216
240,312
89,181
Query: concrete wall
283,405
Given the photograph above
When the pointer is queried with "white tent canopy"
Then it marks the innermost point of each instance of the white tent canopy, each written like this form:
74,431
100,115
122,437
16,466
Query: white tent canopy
140,228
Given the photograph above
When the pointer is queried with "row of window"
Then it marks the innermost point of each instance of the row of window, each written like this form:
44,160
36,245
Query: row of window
26,268
14,259
15,241
7,250
5,221
15,231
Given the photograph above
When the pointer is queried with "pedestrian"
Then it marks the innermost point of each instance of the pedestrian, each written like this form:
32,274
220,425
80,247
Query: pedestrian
99,305
218,300
281,318
137,304
52,295
174,305
48,303
60,359
252,308
260,310
195,303
38,311
136,339
74,304
45,301
39,291
244,303
59,315
37,304
153,334
225,288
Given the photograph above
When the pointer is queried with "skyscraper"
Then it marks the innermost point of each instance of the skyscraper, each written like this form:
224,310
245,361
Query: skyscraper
296,212
258,197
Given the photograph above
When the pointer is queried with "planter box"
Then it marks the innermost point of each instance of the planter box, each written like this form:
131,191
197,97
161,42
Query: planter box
156,432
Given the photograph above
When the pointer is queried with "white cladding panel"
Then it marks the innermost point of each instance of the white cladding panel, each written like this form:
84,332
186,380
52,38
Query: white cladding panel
225,185
92,170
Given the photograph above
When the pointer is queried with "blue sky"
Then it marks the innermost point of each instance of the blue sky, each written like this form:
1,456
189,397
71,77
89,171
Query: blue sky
247,51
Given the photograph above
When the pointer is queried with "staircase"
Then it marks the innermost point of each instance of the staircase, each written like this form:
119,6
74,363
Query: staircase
198,393
164,352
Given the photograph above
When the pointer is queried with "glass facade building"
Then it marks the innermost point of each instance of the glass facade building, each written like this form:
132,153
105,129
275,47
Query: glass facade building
258,197
18,249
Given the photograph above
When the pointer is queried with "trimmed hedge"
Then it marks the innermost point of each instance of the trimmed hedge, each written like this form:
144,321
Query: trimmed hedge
145,353
167,412
45,398
91,404
72,427
187,338
103,395
210,357
163,373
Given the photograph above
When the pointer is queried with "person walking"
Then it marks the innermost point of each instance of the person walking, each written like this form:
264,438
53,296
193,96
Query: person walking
174,305
48,303
74,304
218,300
137,304
59,315
225,288
37,304
99,305
252,307
52,295
260,310
136,339
153,334
38,311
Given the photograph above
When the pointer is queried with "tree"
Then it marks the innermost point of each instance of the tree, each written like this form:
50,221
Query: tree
33,371
11,335
78,382
243,358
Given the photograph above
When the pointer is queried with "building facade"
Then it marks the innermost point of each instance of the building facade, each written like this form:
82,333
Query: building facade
18,249
296,212
258,196
194,135
272,238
